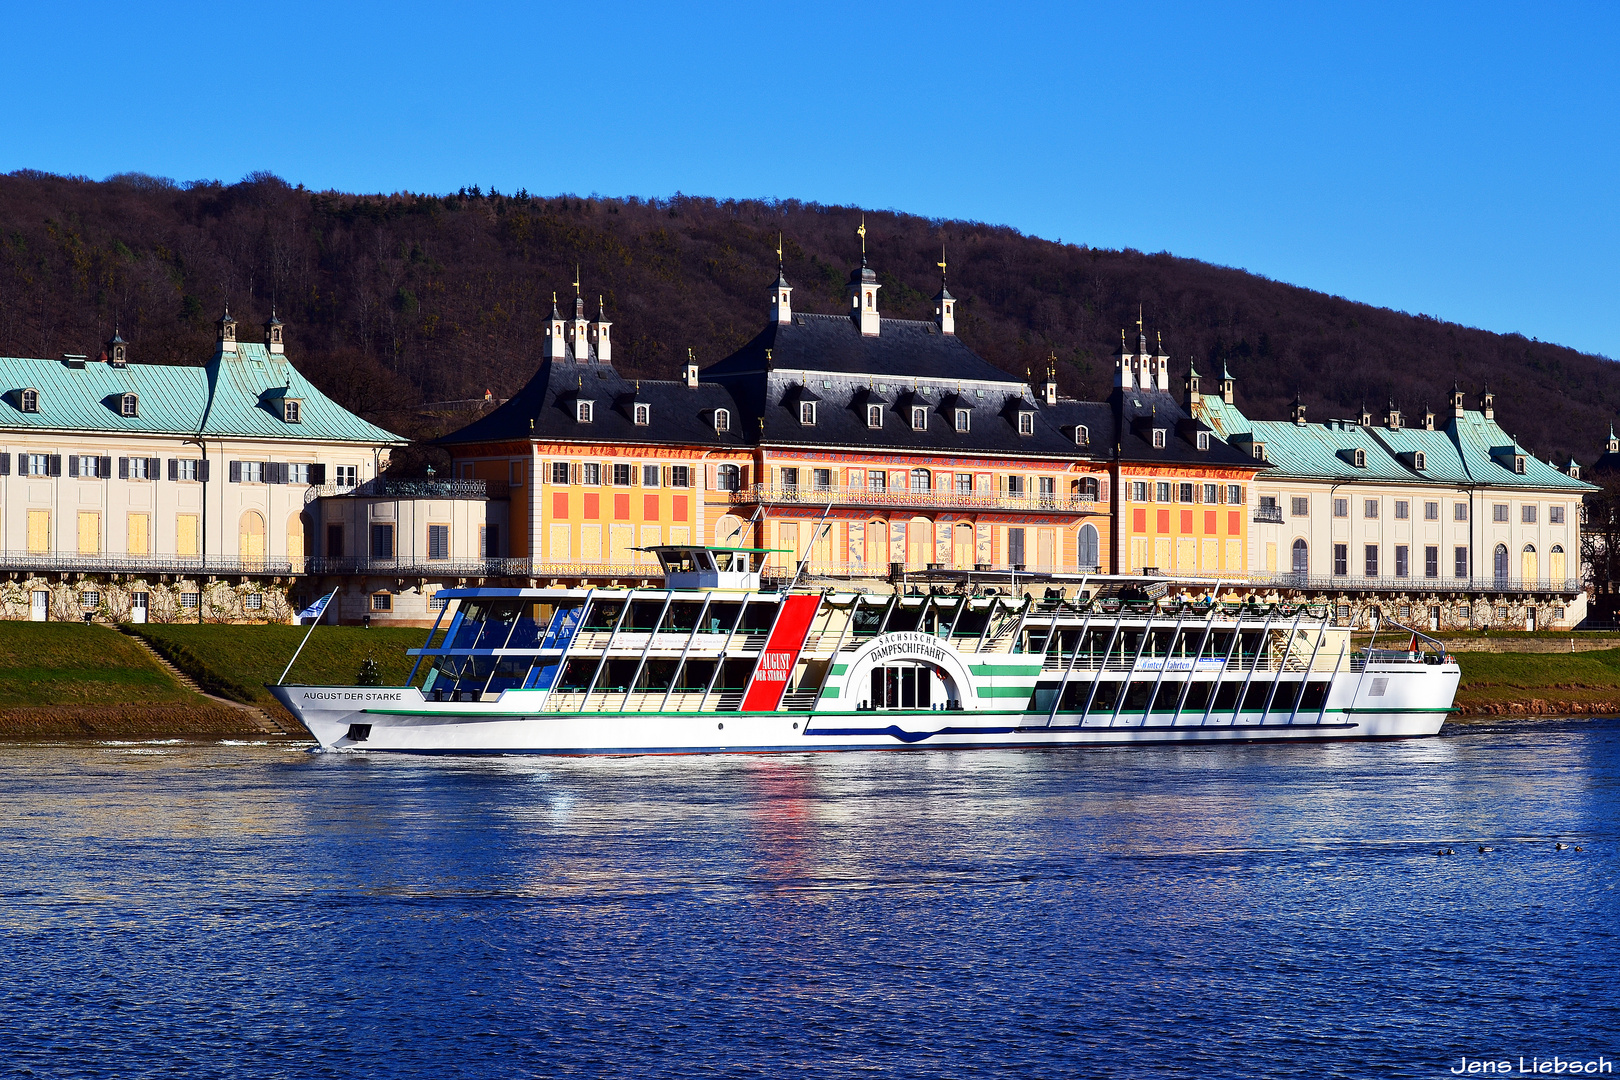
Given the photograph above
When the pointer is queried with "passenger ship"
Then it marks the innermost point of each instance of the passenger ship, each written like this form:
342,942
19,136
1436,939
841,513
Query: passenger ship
715,663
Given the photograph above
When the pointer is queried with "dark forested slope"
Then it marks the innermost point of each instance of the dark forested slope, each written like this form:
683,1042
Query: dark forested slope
395,300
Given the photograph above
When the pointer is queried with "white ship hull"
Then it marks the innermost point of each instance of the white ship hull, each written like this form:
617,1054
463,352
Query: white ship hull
403,720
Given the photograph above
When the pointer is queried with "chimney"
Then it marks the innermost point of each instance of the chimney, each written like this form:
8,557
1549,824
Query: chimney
599,333
227,331
781,299
691,370
273,335
555,349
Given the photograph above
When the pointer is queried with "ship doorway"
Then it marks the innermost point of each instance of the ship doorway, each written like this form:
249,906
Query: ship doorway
910,686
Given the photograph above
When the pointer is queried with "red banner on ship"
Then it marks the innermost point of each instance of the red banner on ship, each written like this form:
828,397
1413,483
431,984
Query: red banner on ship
775,665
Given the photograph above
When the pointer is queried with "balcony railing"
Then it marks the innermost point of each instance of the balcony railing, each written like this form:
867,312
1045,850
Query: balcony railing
908,498
1350,583
412,566
1268,515
98,563
388,487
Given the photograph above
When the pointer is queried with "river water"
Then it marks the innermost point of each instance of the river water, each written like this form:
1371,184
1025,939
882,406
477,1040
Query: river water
181,910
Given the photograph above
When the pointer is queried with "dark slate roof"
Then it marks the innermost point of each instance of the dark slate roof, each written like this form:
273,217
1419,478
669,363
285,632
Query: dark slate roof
826,358
1139,411
680,414
1097,417
902,348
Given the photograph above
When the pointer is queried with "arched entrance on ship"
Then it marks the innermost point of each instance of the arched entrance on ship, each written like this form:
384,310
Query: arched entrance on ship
908,684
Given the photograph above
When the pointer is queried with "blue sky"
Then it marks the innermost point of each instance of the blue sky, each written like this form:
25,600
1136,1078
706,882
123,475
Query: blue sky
1458,160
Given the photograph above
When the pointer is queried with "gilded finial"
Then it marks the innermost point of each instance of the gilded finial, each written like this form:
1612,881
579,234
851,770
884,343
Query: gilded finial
1138,318
941,263
689,357
778,250
576,279
861,232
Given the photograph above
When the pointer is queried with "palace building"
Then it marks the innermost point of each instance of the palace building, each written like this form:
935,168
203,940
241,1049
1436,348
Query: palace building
135,491
1446,523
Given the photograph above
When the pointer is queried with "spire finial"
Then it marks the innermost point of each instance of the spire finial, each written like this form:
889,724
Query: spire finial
576,279
778,249
861,232
1138,318
941,263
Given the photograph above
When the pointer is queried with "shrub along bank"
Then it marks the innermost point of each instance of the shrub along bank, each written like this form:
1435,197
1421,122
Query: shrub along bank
1544,684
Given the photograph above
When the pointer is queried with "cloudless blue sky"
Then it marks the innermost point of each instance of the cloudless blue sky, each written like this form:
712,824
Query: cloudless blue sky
1459,160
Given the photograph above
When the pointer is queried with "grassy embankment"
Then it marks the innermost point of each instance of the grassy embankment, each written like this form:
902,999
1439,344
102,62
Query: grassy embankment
65,679
236,661
1547,684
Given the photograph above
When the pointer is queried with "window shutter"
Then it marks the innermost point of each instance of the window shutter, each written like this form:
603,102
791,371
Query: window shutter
275,472
236,472
73,465
104,467
713,477
202,470
123,468
174,469
1102,491
55,465
154,468
5,464
635,475
317,473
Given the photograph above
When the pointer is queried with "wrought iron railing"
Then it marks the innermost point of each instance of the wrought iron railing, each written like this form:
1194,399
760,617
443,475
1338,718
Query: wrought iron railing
1351,583
930,499
389,487
101,563
1268,515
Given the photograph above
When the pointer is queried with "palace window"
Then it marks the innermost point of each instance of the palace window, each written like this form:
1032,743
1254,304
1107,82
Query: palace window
130,405
1026,423
1499,512
821,479
1203,440
964,483
1371,560
1158,438
1161,491
30,401
438,541
722,419
680,476
1048,487
1369,508
1341,508
253,601
1459,562
1301,506
643,415
1359,458
1186,493
1234,494
1341,559
1518,464
559,472
1555,515
1139,491
649,476
348,476
1260,450
790,479
590,474
919,419
1431,562
621,475
584,411
807,413
1403,509
1527,514
1301,557
962,420
1082,435
1212,493
730,478
382,601
1459,511
920,480
1419,462
877,480
1431,511
874,416
1402,560
292,410
1015,485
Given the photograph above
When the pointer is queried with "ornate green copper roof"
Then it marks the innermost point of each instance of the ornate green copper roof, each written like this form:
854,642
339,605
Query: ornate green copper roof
236,395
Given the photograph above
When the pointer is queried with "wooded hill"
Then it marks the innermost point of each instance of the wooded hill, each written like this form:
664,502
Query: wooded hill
395,300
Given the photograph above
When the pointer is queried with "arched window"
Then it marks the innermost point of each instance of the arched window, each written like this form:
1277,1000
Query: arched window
250,537
722,422
130,405
1528,569
1088,546
30,401
807,413
643,415
920,480
1501,562
1302,557
583,411
730,477
874,416
961,419
1082,435
1090,489
919,419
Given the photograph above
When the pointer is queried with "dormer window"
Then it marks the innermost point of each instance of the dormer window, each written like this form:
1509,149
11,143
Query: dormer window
962,416
292,410
1518,464
1260,451
30,401
807,413
874,416
1203,440
1158,438
1359,459
919,419
722,419
1418,461
584,411
1026,423
1082,435
129,405
643,415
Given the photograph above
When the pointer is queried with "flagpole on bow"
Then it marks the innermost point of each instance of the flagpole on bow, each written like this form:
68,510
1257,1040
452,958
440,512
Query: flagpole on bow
319,614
